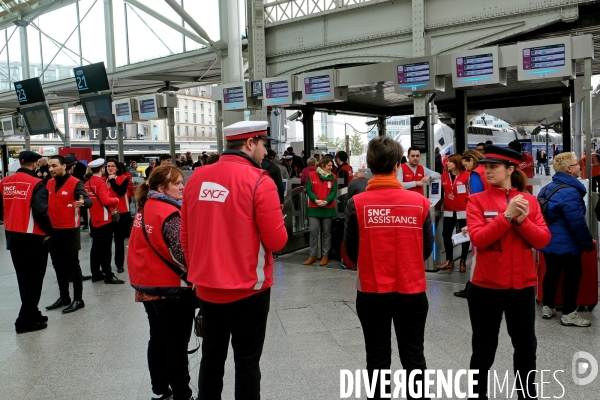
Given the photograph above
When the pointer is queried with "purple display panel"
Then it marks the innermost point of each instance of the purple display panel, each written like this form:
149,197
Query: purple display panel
544,57
277,90
233,95
317,84
413,73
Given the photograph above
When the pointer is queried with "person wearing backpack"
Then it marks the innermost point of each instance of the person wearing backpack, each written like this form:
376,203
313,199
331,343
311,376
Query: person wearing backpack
565,216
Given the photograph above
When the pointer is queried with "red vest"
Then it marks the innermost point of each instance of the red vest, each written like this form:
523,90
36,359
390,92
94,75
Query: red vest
147,271
99,214
480,170
410,176
123,205
455,193
349,173
321,189
390,227
60,205
17,191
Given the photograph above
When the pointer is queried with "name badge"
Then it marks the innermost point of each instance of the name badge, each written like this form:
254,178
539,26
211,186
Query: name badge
461,189
64,193
329,185
489,215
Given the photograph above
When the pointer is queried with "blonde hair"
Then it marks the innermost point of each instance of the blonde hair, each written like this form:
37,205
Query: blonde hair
563,161
311,161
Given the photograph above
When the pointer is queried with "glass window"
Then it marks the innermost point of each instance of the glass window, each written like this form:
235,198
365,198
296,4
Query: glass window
185,115
194,117
185,104
186,130
201,118
202,131
201,106
209,131
195,131
178,130
194,104
176,116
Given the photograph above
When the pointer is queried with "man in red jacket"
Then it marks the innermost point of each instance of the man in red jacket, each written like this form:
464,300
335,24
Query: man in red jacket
236,203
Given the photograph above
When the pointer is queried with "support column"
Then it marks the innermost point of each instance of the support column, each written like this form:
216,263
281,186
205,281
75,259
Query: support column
66,132
109,35
120,136
231,61
257,55
103,134
24,53
308,129
577,131
171,129
461,121
587,126
4,159
381,126
566,116
219,126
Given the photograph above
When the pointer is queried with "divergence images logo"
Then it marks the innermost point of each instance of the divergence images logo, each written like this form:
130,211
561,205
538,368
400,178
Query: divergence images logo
581,368
419,126
211,191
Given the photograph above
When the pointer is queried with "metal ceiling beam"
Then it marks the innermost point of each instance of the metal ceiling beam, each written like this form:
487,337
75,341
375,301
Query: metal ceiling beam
164,77
167,22
191,22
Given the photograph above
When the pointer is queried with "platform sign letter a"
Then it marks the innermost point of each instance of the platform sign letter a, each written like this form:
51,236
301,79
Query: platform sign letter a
211,191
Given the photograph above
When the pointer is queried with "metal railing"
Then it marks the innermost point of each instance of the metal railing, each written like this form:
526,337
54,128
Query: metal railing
282,10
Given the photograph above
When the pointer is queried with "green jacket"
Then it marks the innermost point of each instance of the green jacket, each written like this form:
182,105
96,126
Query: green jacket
322,212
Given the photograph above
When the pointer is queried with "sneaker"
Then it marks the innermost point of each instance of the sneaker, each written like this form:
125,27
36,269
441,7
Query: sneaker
165,396
574,319
548,312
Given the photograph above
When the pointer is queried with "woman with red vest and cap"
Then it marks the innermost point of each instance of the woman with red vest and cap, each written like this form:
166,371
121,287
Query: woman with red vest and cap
158,273
455,181
504,224
321,189
388,234
118,186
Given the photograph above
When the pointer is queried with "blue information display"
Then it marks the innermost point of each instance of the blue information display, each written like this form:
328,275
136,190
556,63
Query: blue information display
475,68
233,95
277,91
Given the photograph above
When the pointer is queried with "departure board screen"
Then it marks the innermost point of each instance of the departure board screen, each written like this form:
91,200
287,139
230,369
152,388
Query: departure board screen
122,110
475,67
98,111
233,95
317,84
7,125
535,58
38,119
277,90
147,106
417,74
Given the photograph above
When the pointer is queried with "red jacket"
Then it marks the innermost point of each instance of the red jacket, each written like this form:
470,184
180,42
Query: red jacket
480,170
390,226
455,192
130,187
502,256
321,189
148,273
60,204
305,173
102,202
17,191
231,222
410,176
123,204
349,174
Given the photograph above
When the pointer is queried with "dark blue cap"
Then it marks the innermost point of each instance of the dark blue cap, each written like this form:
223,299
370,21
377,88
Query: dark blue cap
27,156
497,154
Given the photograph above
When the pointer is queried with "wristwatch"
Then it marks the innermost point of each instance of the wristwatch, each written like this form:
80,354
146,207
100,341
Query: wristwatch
509,219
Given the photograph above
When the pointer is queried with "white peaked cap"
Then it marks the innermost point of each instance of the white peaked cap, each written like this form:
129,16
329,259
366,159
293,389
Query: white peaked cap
98,162
247,129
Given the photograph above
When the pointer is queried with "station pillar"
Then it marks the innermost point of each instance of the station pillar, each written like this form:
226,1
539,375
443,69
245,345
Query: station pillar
461,121
381,128
231,58
566,117
308,128
4,159
577,131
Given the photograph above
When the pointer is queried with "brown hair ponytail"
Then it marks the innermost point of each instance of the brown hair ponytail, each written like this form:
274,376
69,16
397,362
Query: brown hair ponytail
518,179
160,177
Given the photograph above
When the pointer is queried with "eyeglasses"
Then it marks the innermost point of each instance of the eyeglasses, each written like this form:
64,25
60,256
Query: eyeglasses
572,165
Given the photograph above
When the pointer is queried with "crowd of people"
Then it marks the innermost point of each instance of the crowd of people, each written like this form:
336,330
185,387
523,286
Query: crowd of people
172,269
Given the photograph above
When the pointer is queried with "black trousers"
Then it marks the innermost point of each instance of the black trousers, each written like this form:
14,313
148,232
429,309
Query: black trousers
66,265
448,231
595,183
408,313
101,252
30,266
486,308
573,270
171,323
246,322
121,232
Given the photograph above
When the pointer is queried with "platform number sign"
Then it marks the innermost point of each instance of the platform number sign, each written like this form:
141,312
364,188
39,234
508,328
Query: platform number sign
91,78
29,91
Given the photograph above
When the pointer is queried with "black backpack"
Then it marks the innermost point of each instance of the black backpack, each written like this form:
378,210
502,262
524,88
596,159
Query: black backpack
543,200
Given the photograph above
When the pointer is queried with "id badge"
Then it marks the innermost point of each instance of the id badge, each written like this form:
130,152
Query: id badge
461,189
451,196
329,185
490,215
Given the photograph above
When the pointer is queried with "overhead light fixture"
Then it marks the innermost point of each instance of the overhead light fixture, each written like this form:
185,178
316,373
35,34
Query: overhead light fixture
372,122
294,116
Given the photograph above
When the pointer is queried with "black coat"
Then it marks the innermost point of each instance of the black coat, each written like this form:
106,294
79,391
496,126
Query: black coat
275,174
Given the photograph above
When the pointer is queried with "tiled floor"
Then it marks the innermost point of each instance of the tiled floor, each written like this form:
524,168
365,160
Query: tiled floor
313,332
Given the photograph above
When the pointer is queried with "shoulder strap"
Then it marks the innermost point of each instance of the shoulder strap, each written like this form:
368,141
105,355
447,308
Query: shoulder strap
556,189
175,268
99,201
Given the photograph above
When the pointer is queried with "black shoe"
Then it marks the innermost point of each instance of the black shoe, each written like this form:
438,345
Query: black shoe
42,318
113,280
37,326
120,270
84,228
86,277
75,305
98,278
58,304
167,395
461,293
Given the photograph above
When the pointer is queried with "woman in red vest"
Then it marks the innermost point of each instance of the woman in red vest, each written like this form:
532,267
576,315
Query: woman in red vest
455,181
388,234
158,273
321,189
118,185
504,224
